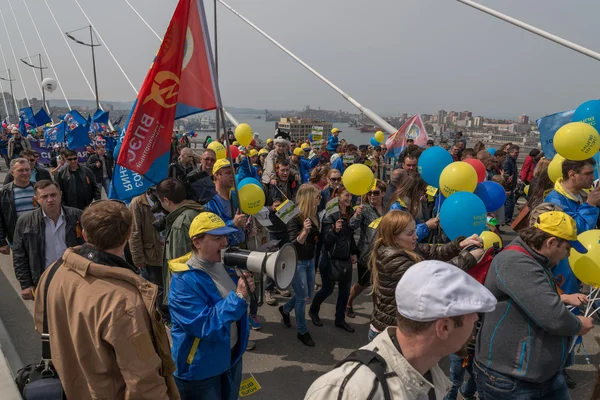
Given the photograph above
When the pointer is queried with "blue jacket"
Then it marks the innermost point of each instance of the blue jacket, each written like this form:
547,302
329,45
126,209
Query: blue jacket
306,166
332,143
422,229
246,171
215,207
339,165
586,218
202,321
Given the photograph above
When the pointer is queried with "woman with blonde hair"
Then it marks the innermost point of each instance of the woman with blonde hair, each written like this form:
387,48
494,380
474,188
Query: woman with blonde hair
303,231
395,250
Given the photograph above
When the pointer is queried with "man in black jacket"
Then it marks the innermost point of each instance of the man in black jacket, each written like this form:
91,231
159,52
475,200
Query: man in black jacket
183,166
102,167
77,183
38,173
511,175
41,236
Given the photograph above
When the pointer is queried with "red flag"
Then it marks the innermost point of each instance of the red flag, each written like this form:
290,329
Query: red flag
181,82
412,129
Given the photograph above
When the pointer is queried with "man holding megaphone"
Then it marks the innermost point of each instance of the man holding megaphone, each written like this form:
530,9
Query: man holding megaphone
209,314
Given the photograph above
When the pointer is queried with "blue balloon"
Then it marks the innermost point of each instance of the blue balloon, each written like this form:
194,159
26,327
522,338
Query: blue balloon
492,151
431,164
589,113
492,194
463,214
374,142
246,181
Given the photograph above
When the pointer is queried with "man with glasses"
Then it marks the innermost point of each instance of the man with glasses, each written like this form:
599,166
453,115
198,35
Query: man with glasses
16,199
207,161
17,144
38,173
77,183
334,178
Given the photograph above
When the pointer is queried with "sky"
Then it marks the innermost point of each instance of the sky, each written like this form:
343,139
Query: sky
391,56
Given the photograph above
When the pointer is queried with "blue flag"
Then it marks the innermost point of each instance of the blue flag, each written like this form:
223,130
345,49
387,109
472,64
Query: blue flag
74,119
56,133
22,126
126,184
27,114
101,117
548,126
78,138
42,118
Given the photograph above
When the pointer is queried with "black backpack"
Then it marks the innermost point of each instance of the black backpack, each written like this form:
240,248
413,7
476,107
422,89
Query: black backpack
375,362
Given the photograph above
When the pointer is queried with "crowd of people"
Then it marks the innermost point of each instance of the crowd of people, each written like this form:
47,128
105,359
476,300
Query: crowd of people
142,306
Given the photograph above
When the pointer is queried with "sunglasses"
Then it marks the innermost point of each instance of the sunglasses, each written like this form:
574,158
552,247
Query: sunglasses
374,193
336,179
72,159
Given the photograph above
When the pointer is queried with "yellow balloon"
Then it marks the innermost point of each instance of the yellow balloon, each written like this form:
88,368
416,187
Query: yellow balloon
219,149
555,167
243,134
489,238
358,179
577,141
379,136
586,267
252,198
458,177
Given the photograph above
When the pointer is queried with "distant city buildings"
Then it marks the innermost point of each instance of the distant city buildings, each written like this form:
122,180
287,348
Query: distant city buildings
301,128
524,119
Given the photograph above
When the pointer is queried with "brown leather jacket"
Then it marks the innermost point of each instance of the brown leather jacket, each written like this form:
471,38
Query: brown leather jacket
106,337
393,262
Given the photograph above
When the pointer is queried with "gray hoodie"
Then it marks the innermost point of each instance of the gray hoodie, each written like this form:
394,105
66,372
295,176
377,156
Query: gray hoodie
528,335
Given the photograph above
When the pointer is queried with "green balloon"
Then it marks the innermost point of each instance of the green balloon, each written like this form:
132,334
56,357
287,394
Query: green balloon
209,140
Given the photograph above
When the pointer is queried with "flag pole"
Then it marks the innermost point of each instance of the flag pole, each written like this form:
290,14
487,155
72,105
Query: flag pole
367,112
533,29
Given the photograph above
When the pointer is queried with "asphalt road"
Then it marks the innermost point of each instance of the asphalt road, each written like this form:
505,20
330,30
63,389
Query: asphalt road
281,364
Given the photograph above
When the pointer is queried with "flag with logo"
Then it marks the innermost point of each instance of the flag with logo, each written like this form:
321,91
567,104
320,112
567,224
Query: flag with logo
181,82
28,117
412,129
548,126
55,133
73,119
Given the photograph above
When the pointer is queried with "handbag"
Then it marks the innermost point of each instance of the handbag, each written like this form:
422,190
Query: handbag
40,381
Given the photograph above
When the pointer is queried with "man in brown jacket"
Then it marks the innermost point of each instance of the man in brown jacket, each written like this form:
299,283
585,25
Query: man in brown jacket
106,337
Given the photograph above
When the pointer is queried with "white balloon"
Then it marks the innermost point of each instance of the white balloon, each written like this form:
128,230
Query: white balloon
49,84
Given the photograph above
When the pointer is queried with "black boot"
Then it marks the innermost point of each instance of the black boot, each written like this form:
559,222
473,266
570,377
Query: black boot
306,339
286,317
315,318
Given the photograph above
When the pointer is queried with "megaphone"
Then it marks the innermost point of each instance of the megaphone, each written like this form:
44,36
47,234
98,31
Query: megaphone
279,266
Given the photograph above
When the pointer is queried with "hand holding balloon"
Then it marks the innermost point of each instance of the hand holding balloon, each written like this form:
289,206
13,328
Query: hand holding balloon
472,240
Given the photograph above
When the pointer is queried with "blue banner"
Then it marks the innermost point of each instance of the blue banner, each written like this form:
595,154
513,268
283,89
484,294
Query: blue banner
27,114
548,126
42,118
74,119
78,137
45,150
100,117
56,133
22,126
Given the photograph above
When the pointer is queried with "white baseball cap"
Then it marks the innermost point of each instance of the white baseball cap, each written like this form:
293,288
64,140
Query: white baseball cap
431,290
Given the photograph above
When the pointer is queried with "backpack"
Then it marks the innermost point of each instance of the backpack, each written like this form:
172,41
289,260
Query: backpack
375,362
480,270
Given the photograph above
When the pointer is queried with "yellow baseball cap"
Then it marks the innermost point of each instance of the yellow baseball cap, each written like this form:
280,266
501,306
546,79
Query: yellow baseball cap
304,146
562,226
263,151
223,162
235,143
252,153
212,224
298,151
269,140
335,130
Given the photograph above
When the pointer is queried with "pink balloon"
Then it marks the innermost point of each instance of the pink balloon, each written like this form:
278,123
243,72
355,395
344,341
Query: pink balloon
479,168
235,152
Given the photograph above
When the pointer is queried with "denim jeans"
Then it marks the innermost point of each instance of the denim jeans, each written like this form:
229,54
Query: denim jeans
509,207
492,385
283,239
372,334
106,185
303,284
225,386
457,376
327,289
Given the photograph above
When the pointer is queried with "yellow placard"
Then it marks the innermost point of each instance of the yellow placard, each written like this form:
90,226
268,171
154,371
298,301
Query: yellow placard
248,387
375,224
431,191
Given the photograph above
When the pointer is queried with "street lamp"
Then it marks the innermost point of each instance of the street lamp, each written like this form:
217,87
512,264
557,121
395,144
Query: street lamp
41,67
10,80
92,45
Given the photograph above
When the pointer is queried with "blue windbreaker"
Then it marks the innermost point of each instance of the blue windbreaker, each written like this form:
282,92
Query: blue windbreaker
246,171
422,229
202,321
306,166
586,218
215,207
332,143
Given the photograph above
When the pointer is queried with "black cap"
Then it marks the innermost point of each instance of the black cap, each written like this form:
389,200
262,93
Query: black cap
363,147
377,148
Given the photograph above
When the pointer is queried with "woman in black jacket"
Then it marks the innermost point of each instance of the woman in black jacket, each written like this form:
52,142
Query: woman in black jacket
339,252
303,231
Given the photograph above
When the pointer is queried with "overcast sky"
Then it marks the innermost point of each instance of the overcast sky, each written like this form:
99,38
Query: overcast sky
392,56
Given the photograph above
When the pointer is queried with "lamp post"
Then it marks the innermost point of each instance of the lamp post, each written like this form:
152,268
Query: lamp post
41,67
10,80
91,45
